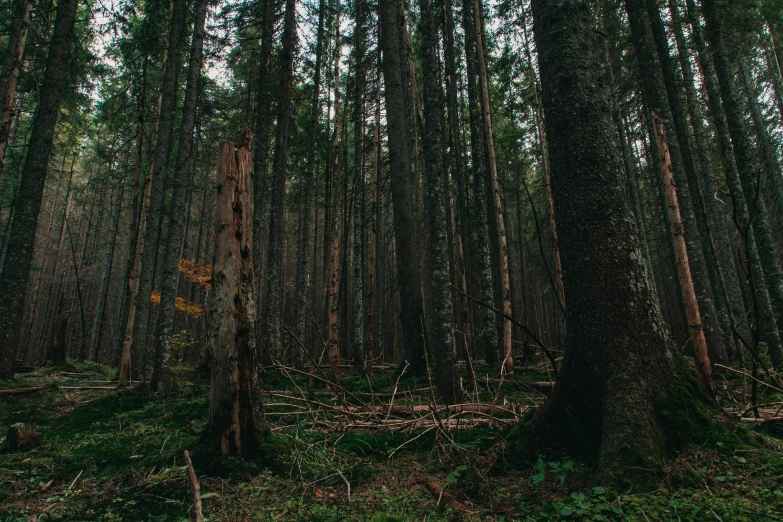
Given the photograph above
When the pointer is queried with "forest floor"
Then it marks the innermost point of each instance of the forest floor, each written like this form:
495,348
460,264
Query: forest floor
112,454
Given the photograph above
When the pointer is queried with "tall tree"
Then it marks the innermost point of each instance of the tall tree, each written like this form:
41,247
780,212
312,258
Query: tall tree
160,381
440,307
57,83
658,102
396,75
273,287
615,380
149,256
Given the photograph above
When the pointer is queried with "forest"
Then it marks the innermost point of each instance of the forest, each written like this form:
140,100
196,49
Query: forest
389,260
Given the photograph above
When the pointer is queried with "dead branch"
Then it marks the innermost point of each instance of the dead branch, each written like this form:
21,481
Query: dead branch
195,490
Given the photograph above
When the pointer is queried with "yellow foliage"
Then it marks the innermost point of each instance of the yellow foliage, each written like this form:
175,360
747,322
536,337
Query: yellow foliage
192,309
196,272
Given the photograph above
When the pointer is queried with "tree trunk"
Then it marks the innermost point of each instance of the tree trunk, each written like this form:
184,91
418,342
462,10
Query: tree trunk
619,376
160,381
12,65
149,254
273,285
480,240
100,309
18,259
656,100
440,307
360,81
745,165
396,75
236,423
302,276
703,366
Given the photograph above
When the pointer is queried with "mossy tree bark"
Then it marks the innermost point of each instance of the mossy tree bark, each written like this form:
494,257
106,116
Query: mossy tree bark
619,381
440,305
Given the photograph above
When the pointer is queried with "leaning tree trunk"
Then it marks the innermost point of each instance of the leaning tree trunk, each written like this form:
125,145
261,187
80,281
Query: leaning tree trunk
398,103
656,100
21,241
160,381
619,375
703,367
745,162
236,422
440,307
12,64
168,99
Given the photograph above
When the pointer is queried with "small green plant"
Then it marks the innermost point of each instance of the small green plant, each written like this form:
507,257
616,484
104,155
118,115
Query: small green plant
556,468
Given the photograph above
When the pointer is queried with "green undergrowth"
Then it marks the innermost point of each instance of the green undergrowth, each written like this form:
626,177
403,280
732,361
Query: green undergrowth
118,455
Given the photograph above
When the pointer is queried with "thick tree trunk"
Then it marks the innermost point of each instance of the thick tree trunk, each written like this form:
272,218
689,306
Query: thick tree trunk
149,254
160,381
360,80
11,66
398,103
619,376
18,259
236,423
440,307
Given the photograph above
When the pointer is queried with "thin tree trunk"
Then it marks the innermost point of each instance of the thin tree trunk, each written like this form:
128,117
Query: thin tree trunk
273,286
160,381
149,254
100,309
12,65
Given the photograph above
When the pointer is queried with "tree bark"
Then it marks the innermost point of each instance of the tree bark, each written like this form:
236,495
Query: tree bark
619,374
160,381
440,307
12,65
149,254
19,255
396,75
236,423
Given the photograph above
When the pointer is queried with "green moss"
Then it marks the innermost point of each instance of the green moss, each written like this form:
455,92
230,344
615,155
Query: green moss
686,415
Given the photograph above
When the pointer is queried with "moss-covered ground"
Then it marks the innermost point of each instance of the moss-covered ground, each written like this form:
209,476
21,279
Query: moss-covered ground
111,454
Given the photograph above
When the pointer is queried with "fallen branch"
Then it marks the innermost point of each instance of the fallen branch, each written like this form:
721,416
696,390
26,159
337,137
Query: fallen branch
195,490
19,391
438,491
87,387
527,330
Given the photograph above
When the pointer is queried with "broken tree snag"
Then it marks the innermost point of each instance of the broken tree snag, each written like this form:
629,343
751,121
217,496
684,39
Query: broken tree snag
690,302
234,428
21,437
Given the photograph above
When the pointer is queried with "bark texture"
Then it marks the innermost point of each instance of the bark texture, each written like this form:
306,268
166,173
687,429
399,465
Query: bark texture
21,241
